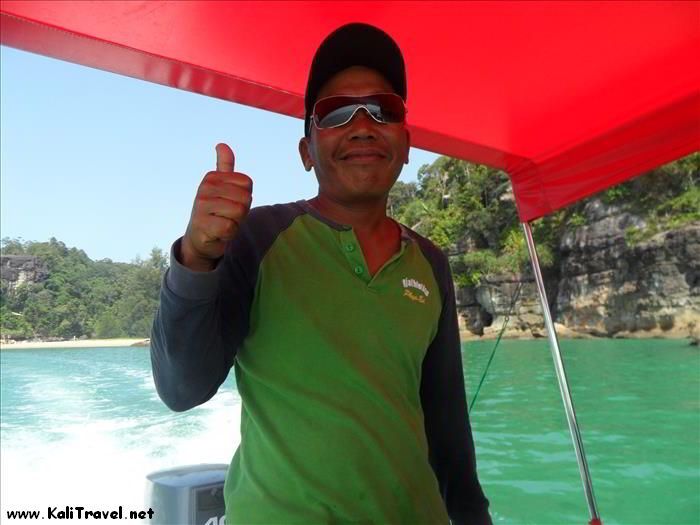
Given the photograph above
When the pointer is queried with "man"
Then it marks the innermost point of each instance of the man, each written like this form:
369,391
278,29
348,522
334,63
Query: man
341,322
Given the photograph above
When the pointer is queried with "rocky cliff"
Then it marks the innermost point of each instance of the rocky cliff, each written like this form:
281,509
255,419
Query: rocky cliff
20,269
603,284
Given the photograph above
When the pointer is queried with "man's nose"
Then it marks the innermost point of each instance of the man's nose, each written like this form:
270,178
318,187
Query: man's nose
363,125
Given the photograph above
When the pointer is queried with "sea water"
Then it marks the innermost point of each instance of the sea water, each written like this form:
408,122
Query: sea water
83,427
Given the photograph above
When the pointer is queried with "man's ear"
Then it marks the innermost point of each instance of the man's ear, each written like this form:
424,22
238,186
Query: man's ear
408,145
305,154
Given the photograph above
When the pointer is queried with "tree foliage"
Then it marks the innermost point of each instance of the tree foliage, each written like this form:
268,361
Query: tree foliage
469,211
80,297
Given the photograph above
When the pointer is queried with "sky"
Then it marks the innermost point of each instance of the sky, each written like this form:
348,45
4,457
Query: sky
110,164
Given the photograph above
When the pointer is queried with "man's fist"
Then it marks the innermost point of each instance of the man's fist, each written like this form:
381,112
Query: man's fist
222,203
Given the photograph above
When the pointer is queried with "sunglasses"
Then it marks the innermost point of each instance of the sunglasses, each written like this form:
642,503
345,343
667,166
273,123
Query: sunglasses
336,111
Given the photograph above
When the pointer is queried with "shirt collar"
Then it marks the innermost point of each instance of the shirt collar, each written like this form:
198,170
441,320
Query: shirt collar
308,208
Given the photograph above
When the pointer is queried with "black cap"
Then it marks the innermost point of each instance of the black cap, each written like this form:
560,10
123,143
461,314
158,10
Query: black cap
354,45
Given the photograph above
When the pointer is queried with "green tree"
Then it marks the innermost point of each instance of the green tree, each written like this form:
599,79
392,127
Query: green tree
80,297
468,210
11,246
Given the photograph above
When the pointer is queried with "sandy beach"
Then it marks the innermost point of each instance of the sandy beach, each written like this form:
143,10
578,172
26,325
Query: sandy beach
83,343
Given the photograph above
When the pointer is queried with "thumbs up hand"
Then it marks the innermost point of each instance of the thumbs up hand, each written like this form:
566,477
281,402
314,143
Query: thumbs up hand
222,203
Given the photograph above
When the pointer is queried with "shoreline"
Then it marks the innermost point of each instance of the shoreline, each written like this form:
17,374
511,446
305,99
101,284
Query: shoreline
468,337
465,337
79,343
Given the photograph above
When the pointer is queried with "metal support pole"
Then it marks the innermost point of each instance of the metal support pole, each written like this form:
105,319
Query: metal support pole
561,378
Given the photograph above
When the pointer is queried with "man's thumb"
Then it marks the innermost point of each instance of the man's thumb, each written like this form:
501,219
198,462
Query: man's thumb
224,158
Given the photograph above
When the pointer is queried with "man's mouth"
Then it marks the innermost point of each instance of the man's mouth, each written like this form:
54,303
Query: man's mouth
363,155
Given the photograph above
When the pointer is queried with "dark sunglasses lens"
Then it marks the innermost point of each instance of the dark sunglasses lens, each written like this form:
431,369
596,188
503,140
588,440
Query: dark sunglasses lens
393,109
337,111
338,117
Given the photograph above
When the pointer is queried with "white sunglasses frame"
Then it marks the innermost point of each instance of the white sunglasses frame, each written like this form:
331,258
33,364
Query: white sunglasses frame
358,108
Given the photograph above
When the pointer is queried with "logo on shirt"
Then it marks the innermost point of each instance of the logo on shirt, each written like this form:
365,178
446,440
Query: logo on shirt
415,290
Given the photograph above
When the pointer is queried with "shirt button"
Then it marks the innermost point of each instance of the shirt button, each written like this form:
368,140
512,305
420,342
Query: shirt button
349,247
358,270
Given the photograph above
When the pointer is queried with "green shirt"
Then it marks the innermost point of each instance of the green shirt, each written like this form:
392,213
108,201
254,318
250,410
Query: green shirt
352,391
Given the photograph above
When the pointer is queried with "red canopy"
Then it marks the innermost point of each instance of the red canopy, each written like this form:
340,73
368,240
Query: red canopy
567,97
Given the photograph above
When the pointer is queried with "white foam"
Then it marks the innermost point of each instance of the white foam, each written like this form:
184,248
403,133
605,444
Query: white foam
101,463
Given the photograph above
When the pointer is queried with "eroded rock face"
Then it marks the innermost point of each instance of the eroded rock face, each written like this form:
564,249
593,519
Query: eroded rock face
609,287
484,308
604,286
19,269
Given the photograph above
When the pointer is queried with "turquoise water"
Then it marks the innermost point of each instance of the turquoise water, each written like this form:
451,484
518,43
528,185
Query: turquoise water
638,407
84,426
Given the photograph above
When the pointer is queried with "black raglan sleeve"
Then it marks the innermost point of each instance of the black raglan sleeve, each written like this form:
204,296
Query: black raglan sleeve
196,331
450,442
203,317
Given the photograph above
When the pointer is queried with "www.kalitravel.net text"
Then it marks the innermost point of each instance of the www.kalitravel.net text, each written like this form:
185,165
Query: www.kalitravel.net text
80,513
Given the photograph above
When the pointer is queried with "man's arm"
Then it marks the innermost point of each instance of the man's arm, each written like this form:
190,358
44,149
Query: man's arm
447,427
189,351
205,295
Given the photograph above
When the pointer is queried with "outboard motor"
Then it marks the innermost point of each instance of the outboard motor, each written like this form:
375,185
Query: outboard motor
192,495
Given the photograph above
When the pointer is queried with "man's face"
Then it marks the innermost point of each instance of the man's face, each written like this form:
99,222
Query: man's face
360,161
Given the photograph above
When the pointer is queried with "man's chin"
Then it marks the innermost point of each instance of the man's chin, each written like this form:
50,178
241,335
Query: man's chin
366,177
367,196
